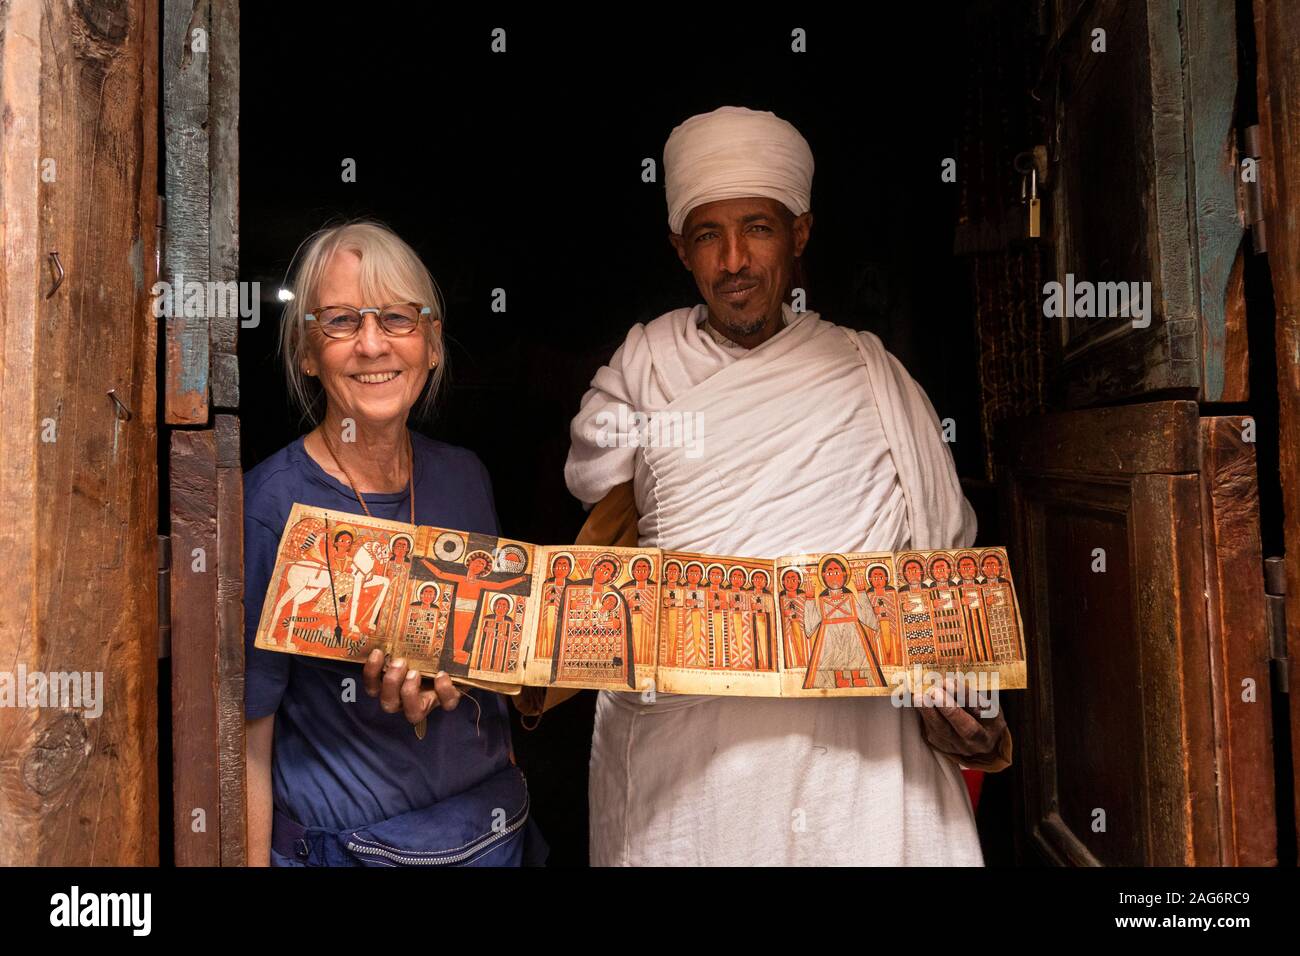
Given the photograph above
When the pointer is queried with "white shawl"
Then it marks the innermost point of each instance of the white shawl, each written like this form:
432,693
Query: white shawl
661,362
799,437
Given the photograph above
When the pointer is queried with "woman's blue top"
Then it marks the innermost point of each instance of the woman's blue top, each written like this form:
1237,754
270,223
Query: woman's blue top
340,761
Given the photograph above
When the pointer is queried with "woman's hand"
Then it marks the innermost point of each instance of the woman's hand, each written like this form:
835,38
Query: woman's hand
399,689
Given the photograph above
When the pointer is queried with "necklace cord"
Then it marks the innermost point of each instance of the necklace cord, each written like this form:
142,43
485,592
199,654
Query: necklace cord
410,472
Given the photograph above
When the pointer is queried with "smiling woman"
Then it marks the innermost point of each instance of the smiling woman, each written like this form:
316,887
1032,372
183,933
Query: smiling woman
362,347
354,265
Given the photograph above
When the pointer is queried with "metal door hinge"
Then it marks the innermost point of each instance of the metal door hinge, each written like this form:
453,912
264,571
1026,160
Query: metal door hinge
164,596
1275,602
1251,196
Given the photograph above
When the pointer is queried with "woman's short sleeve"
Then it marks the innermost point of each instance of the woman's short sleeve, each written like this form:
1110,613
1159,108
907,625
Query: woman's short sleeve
266,673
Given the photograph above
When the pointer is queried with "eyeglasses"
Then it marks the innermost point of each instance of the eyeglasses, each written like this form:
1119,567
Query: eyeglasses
343,321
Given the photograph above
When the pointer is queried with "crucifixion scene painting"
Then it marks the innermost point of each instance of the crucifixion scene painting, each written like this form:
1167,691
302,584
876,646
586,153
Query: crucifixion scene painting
445,600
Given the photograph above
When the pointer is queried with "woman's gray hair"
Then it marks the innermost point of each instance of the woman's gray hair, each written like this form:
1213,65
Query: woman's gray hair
390,272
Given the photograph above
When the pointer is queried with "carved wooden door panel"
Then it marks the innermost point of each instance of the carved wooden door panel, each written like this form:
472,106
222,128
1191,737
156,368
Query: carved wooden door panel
1143,198
1145,735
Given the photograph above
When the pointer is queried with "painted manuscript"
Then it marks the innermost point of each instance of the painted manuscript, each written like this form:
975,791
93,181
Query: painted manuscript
500,613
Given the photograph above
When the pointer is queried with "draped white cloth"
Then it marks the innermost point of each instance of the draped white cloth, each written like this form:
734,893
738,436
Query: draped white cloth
816,440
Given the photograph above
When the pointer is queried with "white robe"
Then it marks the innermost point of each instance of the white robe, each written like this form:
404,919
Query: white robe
816,440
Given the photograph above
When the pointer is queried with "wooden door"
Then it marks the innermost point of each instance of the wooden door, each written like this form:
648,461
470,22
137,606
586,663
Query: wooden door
1146,733
1277,39
1145,736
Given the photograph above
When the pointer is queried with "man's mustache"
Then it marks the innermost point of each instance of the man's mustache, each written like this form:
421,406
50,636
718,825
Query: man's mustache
736,285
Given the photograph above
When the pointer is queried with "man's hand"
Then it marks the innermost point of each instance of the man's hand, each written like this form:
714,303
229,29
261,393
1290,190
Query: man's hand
399,689
961,732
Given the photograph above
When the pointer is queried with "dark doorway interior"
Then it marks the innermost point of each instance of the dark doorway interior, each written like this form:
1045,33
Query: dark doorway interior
522,171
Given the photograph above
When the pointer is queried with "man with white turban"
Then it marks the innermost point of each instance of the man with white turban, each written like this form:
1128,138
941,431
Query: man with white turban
815,439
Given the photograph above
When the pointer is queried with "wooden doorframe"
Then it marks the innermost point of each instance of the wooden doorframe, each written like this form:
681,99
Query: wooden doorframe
1277,43
200,73
78,477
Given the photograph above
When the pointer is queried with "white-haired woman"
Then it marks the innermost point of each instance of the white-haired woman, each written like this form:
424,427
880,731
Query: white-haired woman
337,778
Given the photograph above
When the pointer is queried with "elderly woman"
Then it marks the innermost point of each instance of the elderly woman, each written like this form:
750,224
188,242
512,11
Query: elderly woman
337,778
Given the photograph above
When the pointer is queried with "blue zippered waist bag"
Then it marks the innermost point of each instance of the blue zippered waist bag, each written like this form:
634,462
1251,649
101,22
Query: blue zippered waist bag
486,825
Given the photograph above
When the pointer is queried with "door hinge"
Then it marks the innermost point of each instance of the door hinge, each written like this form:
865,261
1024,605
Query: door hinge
164,596
1275,602
1251,196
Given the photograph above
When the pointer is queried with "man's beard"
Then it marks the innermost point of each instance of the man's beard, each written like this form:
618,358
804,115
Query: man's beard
738,326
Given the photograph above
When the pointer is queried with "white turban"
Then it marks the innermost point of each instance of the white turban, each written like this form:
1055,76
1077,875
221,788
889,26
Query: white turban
733,153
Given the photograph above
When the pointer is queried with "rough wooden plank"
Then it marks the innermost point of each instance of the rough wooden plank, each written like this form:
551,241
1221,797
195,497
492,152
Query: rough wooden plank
223,192
1239,649
223,375
20,295
1210,35
1277,38
230,642
186,252
1169,584
1123,440
195,571
1236,354
79,510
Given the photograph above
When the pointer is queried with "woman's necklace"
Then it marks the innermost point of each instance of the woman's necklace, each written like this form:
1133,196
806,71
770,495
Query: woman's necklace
422,727
410,471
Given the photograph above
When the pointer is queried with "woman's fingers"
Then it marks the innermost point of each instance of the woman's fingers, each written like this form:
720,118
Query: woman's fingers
448,695
373,672
400,689
390,698
415,704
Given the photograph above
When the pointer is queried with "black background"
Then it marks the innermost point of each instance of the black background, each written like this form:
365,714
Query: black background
522,171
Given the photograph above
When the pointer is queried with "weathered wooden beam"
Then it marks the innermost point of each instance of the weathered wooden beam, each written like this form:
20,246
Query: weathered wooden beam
1178,730
201,39
230,642
186,38
1239,646
1122,440
1210,91
223,192
78,472
196,565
